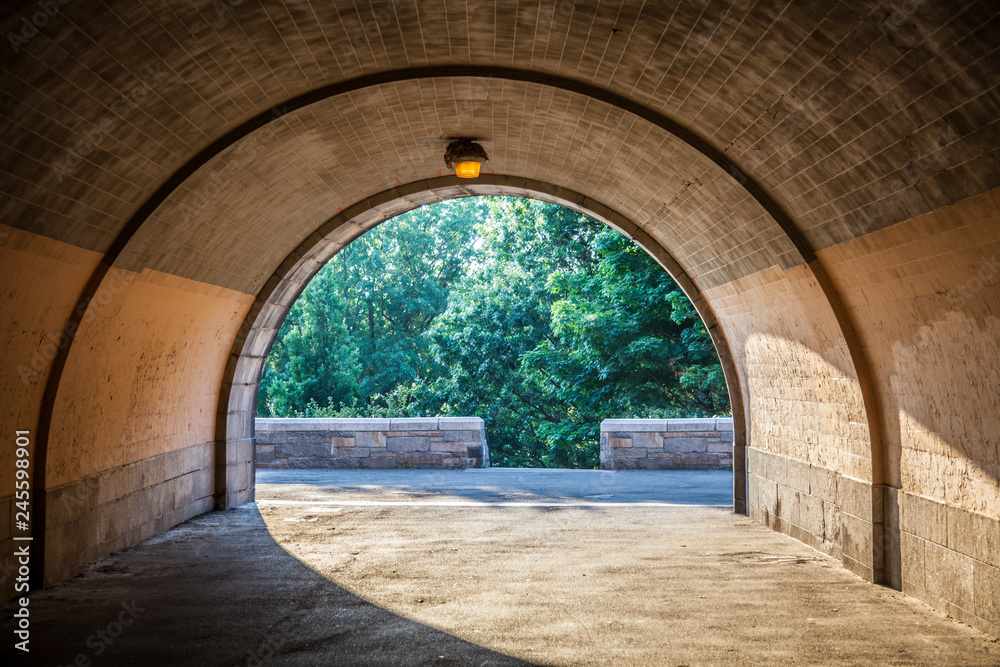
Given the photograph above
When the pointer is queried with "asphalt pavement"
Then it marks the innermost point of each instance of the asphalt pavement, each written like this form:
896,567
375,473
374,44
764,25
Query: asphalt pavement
484,567
491,485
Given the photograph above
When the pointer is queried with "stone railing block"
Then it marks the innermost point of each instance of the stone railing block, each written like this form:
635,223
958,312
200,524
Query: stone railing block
634,425
361,424
690,425
664,444
425,442
460,424
292,424
414,424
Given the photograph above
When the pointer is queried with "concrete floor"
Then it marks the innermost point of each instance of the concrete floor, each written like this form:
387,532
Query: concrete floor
491,567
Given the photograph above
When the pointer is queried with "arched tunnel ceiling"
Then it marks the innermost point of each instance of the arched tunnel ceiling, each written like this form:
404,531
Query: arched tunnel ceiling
217,140
239,216
852,123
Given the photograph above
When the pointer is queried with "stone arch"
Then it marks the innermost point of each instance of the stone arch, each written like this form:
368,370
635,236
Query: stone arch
238,399
754,232
872,342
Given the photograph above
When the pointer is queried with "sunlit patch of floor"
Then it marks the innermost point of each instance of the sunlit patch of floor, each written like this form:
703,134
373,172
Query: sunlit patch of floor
581,581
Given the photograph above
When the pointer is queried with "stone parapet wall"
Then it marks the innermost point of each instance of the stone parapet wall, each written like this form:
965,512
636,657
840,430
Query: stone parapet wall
422,442
667,444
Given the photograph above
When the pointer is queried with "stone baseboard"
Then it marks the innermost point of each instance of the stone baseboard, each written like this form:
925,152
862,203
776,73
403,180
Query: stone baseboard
946,556
118,508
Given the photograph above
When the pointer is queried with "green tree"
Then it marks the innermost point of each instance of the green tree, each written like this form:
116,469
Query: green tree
312,358
498,315
626,338
366,312
394,281
536,318
563,323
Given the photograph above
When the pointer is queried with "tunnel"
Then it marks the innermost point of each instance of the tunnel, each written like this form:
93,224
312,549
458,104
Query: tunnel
822,182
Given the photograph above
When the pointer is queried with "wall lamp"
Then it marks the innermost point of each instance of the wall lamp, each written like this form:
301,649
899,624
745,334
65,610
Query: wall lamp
465,156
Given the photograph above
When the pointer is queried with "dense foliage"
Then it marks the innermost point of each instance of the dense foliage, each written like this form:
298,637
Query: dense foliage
539,320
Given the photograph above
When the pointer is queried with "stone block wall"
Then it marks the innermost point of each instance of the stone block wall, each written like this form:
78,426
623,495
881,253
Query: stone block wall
667,444
950,559
423,442
946,556
119,507
831,512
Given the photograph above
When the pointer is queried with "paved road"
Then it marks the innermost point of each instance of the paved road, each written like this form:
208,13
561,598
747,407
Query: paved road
402,568
492,485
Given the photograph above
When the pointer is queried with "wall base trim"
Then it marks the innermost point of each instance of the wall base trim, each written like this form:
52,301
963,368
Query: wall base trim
946,556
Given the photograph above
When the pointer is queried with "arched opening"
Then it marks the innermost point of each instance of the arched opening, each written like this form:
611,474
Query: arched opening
826,178
728,227
539,320
262,325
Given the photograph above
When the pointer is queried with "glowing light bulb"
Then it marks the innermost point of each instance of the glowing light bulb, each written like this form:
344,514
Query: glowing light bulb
468,169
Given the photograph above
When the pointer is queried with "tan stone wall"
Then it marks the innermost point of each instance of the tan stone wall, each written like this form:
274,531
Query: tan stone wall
41,280
831,512
135,417
804,399
144,374
926,295
810,454
121,506
950,559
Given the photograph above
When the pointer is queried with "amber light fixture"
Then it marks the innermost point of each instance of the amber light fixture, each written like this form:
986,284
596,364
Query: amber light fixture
466,157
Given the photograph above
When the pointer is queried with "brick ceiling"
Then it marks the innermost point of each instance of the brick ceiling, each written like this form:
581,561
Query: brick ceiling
850,116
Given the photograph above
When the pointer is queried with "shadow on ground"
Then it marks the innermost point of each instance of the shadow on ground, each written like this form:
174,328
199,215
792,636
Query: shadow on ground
218,590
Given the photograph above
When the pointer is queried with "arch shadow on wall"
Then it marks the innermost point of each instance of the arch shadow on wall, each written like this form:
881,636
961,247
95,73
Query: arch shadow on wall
245,366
